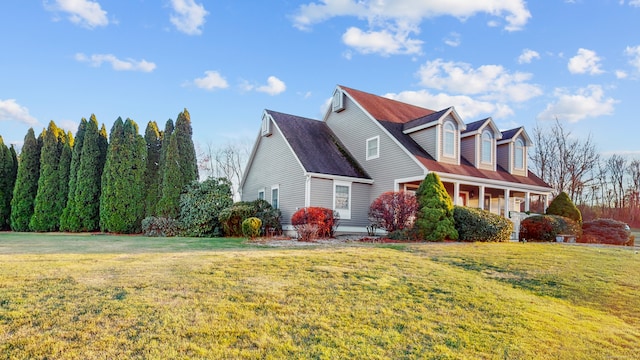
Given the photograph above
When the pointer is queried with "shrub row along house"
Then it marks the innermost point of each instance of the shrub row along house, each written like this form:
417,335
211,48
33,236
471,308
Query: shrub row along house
368,144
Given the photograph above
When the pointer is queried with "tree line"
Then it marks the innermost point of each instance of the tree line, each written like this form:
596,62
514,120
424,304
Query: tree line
600,186
92,182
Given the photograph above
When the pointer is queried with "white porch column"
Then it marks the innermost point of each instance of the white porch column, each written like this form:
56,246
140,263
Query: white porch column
481,197
527,202
456,193
506,203
546,203
307,191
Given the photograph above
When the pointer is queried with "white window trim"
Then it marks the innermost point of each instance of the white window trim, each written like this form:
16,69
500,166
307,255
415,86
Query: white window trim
274,187
377,154
491,147
515,155
492,208
344,213
263,192
266,124
444,139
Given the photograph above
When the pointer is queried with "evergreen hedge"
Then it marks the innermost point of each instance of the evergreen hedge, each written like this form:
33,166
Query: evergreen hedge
481,225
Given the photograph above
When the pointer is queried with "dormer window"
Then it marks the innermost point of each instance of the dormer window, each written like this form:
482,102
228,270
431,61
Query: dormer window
487,147
449,139
266,124
337,103
519,154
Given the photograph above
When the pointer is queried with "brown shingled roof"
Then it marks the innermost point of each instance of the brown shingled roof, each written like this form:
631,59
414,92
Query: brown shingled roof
385,109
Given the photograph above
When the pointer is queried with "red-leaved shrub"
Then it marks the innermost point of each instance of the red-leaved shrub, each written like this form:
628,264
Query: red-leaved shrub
325,220
393,210
547,227
606,231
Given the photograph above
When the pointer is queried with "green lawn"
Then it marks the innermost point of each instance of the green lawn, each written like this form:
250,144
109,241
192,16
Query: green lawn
136,297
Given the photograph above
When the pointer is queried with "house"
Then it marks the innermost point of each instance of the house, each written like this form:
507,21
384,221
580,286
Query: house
368,144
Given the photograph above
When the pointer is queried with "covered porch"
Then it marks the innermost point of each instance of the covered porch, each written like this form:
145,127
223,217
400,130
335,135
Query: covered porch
513,201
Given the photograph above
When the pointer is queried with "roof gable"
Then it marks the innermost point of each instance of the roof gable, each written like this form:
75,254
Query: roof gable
479,126
316,147
512,134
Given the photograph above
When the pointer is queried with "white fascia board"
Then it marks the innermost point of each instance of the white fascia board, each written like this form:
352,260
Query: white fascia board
421,127
339,178
470,180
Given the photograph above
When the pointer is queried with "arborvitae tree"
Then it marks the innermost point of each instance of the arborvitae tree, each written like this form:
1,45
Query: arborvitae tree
166,137
563,206
7,180
153,139
122,198
88,189
24,192
69,219
180,166
64,172
434,220
48,205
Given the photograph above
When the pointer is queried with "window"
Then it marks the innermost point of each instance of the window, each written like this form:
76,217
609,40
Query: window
487,147
342,199
519,156
338,101
373,148
275,197
266,125
261,195
449,139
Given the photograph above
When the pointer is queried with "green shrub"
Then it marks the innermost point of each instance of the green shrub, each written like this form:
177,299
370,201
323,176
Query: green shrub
563,206
606,231
547,227
160,226
233,216
434,219
200,205
251,227
481,225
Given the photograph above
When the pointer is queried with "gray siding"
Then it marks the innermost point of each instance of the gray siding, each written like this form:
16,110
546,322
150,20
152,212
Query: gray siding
427,139
322,195
468,149
275,164
353,127
503,154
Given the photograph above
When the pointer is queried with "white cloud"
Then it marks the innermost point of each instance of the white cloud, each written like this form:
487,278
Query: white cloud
382,42
10,110
453,39
490,82
211,80
634,3
96,60
68,125
527,56
466,107
85,13
188,17
634,53
586,61
274,86
587,102
391,23
620,74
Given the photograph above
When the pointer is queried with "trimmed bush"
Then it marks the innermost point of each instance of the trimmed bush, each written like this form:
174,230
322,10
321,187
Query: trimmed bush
547,227
325,219
307,232
434,219
251,227
563,206
393,210
481,225
160,226
606,231
233,216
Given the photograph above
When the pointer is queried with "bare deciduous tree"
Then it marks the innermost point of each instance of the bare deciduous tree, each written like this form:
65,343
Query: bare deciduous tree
564,162
224,161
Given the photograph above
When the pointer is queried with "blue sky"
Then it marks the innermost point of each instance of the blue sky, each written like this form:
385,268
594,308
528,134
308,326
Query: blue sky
522,63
